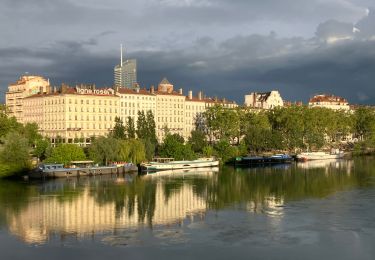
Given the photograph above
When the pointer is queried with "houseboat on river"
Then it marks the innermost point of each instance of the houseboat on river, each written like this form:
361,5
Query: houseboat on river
76,169
161,164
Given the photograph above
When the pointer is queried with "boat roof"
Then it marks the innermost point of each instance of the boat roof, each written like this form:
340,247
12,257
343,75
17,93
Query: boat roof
82,161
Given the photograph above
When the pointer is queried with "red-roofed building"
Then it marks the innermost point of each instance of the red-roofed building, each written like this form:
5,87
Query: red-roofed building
329,101
75,114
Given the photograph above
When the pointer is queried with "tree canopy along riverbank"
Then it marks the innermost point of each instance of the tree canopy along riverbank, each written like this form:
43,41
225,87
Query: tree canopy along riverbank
17,143
218,131
290,128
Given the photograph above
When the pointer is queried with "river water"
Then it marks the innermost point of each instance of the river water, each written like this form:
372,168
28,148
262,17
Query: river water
314,210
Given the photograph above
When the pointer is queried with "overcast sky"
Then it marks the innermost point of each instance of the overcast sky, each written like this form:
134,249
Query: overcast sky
227,48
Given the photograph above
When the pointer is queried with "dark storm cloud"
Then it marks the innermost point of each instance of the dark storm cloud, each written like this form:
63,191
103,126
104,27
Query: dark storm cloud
222,47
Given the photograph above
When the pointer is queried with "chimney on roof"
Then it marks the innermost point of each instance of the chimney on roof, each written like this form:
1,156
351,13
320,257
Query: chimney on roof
190,95
200,95
180,91
152,89
54,90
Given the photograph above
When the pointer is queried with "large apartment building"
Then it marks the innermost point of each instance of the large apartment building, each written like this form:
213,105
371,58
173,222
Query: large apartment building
72,114
75,114
25,86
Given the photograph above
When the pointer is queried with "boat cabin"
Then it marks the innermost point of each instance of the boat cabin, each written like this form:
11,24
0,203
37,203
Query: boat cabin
81,164
51,166
162,160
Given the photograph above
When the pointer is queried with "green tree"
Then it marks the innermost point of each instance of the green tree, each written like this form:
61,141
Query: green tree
65,153
42,148
131,150
224,150
208,151
137,152
8,124
104,149
31,133
257,131
130,128
173,146
151,126
150,148
197,140
118,129
15,151
365,123
222,123
142,129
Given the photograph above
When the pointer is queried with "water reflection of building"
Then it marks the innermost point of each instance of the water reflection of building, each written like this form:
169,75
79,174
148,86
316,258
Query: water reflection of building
83,215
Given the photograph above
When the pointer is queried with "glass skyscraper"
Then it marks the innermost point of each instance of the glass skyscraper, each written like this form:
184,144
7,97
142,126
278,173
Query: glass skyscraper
126,73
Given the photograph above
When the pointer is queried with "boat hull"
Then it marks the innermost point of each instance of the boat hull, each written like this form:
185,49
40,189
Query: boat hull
75,172
319,156
155,166
262,160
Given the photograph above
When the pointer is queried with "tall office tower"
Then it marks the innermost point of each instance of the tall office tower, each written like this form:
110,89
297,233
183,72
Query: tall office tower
125,73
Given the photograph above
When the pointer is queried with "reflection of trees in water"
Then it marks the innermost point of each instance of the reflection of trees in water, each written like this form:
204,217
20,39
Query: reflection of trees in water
137,195
235,186
14,196
258,184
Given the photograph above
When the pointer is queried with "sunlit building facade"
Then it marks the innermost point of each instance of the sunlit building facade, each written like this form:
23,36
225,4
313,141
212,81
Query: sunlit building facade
329,101
25,86
75,114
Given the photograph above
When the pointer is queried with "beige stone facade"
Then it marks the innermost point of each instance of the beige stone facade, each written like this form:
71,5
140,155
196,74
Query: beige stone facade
24,87
75,114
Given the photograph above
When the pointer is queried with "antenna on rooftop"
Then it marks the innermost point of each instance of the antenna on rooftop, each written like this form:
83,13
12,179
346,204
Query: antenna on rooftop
121,56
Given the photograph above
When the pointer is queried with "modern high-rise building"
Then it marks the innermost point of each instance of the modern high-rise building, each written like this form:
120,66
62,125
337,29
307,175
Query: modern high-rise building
125,73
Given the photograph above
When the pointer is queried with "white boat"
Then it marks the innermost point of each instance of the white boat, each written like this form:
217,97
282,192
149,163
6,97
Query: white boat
184,172
161,164
320,155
